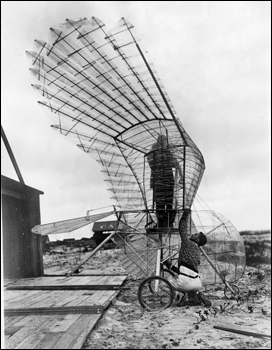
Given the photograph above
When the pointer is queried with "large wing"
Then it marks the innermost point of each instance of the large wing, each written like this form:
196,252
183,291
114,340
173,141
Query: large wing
70,225
108,98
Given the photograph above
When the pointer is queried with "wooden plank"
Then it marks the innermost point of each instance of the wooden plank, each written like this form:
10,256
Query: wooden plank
81,338
9,321
97,280
92,299
80,304
65,323
34,282
8,281
27,301
77,333
118,280
54,334
89,279
110,280
39,333
12,329
14,294
243,332
104,280
79,300
31,323
76,283
63,302
60,280
59,297
110,299
100,298
82,280
24,299
50,300
88,273
70,287
83,309
49,340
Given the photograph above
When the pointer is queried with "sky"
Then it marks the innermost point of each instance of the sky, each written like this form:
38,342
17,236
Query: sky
214,59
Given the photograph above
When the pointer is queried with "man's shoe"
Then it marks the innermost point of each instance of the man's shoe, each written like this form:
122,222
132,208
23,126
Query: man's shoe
189,303
204,300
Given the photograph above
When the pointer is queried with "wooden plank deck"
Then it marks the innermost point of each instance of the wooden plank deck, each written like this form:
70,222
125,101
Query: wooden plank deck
37,317
59,331
82,282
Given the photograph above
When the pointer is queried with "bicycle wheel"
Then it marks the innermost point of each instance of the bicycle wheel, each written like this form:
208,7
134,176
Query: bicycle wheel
229,294
155,293
165,273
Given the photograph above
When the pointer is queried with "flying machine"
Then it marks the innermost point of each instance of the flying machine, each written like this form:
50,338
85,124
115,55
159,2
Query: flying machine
109,101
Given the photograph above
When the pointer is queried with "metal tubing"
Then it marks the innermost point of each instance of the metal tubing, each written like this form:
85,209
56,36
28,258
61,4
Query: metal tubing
92,253
216,270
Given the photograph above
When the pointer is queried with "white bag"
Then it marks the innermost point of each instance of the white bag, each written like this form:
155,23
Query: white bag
186,281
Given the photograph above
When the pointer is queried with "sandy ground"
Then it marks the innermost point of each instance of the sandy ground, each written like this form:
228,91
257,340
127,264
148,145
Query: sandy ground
125,325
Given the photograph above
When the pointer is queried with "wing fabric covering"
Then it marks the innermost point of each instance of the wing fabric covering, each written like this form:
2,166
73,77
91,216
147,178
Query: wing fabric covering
70,225
108,99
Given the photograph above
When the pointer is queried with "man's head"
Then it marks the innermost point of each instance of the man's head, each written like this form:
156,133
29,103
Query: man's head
199,238
162,140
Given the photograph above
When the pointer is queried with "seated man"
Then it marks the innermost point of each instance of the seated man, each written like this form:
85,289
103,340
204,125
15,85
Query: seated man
187,279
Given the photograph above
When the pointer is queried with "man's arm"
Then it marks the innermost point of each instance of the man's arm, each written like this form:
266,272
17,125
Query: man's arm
183,225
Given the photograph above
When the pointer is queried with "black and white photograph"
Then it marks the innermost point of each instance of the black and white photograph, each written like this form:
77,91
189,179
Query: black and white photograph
136,175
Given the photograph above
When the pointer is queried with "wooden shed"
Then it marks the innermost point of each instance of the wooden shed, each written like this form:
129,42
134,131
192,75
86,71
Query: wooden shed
22,249
101,229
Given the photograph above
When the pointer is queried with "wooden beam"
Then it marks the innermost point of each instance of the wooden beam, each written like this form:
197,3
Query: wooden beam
89,274
11,155
93,309
250,334
69,287
14,194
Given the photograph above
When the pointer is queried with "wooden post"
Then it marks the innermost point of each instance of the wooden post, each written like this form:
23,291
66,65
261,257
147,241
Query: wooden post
11,155
250,334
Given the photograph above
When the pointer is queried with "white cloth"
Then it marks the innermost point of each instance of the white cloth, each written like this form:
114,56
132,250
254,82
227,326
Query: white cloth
186,281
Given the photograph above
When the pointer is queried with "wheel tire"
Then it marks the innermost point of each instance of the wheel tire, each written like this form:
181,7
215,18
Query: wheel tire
151,300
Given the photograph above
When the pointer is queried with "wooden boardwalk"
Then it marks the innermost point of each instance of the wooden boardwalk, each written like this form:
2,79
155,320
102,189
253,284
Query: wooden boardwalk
56,312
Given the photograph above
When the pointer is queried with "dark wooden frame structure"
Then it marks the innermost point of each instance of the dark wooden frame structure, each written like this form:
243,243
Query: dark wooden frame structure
22,249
